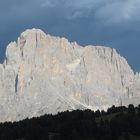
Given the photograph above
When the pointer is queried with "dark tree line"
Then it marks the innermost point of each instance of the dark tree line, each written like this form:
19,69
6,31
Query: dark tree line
116,122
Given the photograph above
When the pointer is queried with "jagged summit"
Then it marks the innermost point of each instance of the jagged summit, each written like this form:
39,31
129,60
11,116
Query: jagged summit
32,31
45,74
37,35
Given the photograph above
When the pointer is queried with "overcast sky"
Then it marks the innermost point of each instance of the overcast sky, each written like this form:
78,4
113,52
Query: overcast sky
113,23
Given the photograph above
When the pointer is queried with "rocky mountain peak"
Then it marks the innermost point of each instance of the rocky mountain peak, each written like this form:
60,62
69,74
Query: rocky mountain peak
32,36
46,74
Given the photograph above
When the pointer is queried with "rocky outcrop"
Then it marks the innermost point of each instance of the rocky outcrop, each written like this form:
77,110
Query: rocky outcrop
44,74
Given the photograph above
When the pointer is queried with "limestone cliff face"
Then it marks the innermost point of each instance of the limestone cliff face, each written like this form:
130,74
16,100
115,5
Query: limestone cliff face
44,74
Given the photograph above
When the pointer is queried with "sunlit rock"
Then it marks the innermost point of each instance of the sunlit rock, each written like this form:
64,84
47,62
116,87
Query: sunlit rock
43,74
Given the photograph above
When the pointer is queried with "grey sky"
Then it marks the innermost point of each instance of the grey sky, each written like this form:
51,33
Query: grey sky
99,22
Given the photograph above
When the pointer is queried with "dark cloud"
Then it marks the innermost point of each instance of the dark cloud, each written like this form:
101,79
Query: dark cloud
98,22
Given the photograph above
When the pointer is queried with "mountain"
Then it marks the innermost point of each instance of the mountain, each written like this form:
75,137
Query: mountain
42,74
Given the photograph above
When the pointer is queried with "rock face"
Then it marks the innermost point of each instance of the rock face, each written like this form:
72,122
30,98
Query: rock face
44,74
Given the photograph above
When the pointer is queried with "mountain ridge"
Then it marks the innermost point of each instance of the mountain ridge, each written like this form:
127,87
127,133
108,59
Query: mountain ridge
45,74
